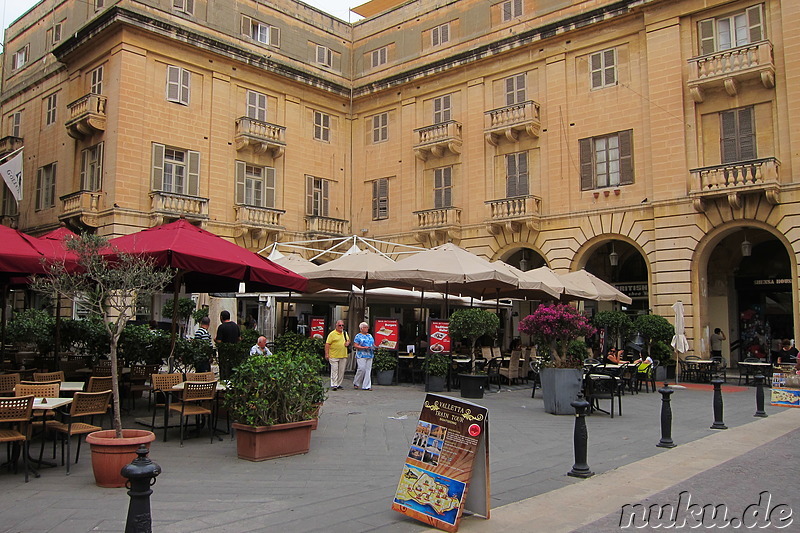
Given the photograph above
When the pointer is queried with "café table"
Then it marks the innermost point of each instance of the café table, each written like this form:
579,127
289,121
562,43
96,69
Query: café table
752,368
40,408
72,386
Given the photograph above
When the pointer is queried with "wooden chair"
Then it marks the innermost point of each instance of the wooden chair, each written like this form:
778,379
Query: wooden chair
16,414
8,382
48,376
511,373
162,392
200,376
39,390
71,367
84,404
139,381
197,400
100,384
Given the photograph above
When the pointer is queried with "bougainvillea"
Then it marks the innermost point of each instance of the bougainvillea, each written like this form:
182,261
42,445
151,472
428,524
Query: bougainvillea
555,326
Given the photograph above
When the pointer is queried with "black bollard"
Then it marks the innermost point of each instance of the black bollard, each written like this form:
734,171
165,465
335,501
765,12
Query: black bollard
666,418
580,440
141,474
759,379
718,423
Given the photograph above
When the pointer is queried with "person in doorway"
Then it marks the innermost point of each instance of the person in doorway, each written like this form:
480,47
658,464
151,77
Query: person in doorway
203,334
260,347
716,343
336,353
228,332
364,345
787,353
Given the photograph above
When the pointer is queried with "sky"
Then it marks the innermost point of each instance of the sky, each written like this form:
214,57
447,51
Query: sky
12,9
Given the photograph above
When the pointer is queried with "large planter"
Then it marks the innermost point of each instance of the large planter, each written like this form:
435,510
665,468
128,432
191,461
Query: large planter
435,383
661,373
110,454
560,387
385,377
472,385
315,414
259,443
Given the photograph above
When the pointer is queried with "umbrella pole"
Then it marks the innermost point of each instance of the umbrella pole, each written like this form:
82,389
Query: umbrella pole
447,299
3,320
57,333
173,335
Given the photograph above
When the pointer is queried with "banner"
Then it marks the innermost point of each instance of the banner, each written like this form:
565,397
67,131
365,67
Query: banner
439,336
387,333
12,175
317,329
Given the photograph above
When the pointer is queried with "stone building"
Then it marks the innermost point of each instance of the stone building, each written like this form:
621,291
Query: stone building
648,141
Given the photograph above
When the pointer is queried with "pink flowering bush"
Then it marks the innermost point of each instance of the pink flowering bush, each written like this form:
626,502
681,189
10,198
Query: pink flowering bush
555,326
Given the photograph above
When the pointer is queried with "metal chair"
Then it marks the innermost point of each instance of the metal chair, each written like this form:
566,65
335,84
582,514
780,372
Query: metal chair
533,375
645,373
197,400
493,372
16,414
603,386
746,371
84,404
139,381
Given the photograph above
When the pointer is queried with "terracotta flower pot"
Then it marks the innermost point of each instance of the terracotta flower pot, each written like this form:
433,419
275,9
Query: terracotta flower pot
110,454
259,443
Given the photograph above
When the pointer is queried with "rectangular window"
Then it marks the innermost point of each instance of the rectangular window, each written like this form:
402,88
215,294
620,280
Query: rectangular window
317,196
96,80
737,29
380,127
515,89
9,206
738,139
443,187
46,186
176,170
379,57
92,168
380,199
324,56
99,4
441,109
183,6
50,109
517,174
53,34
257,105
261,32
512,9
178,81
607,161
322,126
255,185
15,124
604,68
440,34
20,58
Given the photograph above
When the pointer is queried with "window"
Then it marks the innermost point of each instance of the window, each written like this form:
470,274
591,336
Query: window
261,32
515,89
183,6
511,9
175,170
50,109
322,126
443,187
257,105
178,80
15,123
380,199
99,4
379,57
324,56
53,35
380,127
255,186
9,205
96,80
92,168
607,161
316,196
46,186
19,58
738,29
441,109
738,139
516,174
440,34
604,68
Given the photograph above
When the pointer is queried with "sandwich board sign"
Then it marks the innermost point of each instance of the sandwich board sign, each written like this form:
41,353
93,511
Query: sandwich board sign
447,468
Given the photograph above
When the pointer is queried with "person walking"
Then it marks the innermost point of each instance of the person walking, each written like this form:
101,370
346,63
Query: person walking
228,332
716,344
336,353
202,333
364,343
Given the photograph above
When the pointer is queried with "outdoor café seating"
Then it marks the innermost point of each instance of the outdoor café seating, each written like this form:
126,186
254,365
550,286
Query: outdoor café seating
48,376
162,389
493,372
599,385
15,416
197,400
8,382
84,405
511,372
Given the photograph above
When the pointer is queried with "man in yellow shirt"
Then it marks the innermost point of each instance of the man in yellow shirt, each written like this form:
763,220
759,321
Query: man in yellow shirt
336,353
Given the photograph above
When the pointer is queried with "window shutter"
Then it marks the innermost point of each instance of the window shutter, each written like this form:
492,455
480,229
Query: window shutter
522,168
747,141
375,200
728,138
84,166
98,179
275,36
754,23
309,195
185,80
173,83
269,187
383,197
376,129
517,8
437,188
708,41
39,191
610,67
190,6
506,11
596,61
521,86
435,37
587,166
445,33
448,187
511,175
240,169
247,26
446,108
194,173
325,184
510,96
626,157
51,201
158,167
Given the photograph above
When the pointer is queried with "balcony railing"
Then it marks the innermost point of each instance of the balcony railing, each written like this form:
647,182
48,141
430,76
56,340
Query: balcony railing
10,143
732,180
166,205
438,140
510,120
261,136
730,67
327,225
82,206
434,218
87,116
513,213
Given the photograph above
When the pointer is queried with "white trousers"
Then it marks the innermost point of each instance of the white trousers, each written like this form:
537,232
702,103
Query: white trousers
363,377
337,370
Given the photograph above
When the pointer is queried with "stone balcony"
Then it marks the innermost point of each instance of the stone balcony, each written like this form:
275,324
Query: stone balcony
261,136
168,206
735,180
87,116
513,214
82,208
327,226
10,143
258,221
509,121
729,68
438,226
438,140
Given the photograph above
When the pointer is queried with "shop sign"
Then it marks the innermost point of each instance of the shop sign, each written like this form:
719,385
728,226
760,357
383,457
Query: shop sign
439,336
634,290
386,332
317,329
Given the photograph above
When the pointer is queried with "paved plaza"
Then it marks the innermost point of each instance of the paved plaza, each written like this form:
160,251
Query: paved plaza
347,480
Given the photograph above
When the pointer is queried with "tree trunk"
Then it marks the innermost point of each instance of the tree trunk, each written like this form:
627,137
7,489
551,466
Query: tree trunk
115,382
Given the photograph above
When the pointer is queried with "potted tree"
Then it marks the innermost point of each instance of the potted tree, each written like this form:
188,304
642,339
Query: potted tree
472,324
554,326
656,329
435,366
616,324
385,364
110,290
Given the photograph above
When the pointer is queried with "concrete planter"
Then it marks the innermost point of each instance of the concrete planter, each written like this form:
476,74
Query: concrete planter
385,377
259,443
436,383
560,387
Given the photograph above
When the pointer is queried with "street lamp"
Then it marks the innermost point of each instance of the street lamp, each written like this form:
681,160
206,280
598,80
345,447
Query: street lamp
613,257
747,247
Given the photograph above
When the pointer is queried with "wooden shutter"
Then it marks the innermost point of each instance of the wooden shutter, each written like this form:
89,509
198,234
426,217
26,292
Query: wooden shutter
247,26
437,188
755,24
186,77
626,157
309,195
194,173
325,197
158,167
51,201
173,83
708,37
435,36
240,170
510,93
596,61
39,189
448,187
610,67
189,6
507,15
84,167
375,200
376,129
445,33
587,164
522,173
269,187
511,175
747,138
275,36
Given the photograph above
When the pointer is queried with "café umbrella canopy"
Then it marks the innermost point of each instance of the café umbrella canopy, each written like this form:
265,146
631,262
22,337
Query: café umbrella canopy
679,342
596,288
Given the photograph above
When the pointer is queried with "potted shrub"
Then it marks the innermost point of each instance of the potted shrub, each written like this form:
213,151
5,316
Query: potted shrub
472,324
32,329
555,326
435,366
385,364
616,324
273,400
657,332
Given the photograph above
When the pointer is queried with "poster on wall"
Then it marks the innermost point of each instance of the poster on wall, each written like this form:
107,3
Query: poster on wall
317,329
386,332
447,467
439,336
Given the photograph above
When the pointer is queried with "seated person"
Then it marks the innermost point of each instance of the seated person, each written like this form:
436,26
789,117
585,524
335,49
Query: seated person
646,360
615,357
787,353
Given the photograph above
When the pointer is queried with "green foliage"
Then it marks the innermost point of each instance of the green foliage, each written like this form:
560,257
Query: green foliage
230,356
87,336
135,345
384,360
472,324
653,328
436,364
289,343
249,337
185,308
32,327
188,352
577,350
555,326
198,314
616,323
662,351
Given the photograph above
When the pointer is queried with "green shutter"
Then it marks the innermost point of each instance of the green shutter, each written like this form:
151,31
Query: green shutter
158,167
587,166
240,169
708,40
194,173
626,157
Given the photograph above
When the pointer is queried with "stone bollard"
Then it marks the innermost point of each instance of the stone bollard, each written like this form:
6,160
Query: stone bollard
718,423
666,418
580,439
141,474
759,379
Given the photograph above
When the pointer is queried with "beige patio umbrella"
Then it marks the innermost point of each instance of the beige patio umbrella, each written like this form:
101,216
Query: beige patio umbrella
599,289
355,267
569,289
530,285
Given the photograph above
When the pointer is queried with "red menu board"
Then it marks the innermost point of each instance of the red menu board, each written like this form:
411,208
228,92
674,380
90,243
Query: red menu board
317,329
447,468
439,336
387,333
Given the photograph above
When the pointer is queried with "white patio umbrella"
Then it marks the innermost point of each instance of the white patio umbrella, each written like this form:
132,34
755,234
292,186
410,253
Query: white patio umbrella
679,342
596,287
